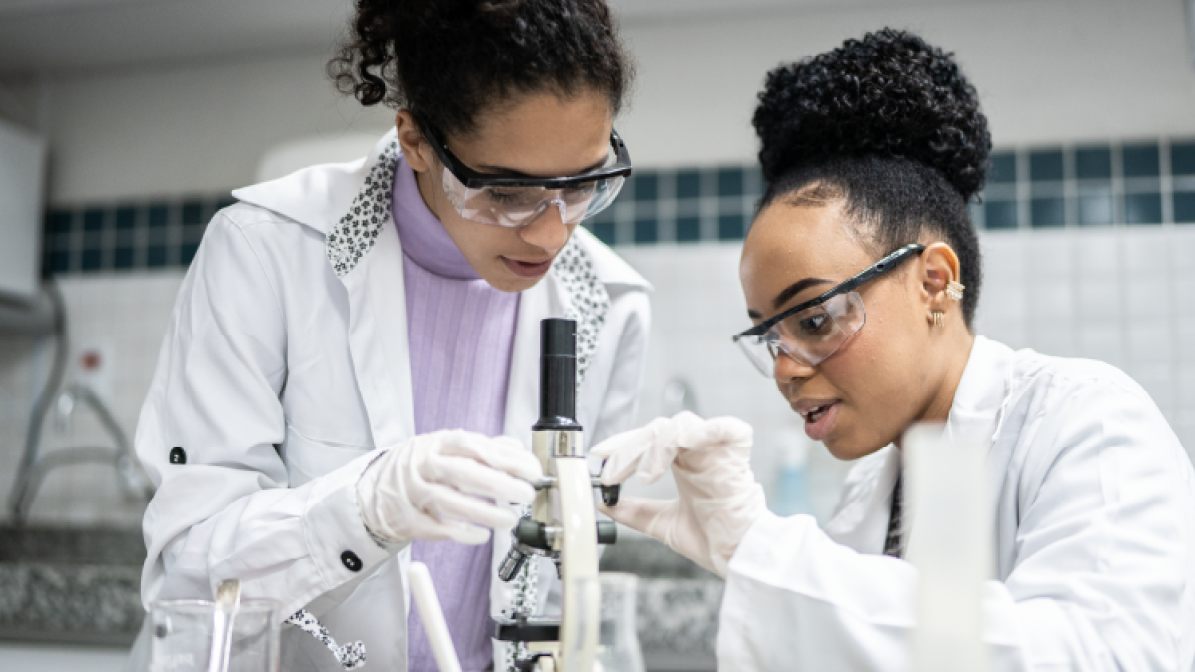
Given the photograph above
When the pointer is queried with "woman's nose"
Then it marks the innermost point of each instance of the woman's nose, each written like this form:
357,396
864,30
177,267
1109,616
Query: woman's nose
547,231
787,369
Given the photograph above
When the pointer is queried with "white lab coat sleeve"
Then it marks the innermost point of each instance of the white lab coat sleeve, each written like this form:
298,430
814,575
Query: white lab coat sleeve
227,512
631,309
1098,582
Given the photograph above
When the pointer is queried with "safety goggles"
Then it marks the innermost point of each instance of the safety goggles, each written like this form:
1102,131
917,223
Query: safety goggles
812,331
515,201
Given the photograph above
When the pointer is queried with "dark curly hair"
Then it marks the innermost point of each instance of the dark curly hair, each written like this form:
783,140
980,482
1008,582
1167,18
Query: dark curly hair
889,125
448,60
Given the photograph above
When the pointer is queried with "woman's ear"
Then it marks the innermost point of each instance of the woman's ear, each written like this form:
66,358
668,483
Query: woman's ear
940,267
415,147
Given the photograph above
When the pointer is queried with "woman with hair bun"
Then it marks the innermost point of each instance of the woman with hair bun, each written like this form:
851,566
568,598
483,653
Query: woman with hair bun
350,375
862,274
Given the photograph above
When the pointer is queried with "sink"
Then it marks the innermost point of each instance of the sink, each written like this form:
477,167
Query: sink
70,585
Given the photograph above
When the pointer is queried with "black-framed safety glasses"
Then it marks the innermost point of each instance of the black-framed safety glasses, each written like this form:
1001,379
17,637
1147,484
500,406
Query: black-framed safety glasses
515,200
812,331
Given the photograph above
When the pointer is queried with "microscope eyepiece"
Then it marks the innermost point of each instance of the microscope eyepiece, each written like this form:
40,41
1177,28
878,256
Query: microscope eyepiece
557,375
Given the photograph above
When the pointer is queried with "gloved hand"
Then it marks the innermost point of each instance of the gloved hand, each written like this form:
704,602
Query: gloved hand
710,460
444,485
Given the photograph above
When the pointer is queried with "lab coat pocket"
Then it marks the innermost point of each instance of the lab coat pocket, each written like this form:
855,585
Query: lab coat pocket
307,458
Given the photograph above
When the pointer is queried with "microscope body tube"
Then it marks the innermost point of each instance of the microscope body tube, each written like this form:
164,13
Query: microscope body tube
558,442
566,507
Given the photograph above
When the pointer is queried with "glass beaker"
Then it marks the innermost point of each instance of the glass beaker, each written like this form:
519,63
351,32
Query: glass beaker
618,640
182,636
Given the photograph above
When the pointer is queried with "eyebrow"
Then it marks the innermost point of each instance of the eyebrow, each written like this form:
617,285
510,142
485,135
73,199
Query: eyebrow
511,172
788,293
796,288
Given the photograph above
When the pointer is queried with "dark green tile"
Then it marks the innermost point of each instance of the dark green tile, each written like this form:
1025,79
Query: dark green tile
126,217
1046,165
647,186
159,215
1004,168
688,229
1143,208
730,182
193,212
93,219
1047,212
730,227
1184,207
92,259
1000,214
604,230
1182,158
1093,163
60,261
59,221
646,231
1141,160
688,184
188,253
123,258
155,256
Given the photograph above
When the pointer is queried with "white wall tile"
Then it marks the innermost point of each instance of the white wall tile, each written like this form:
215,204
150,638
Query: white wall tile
1098,298
1147,297
1050,301
130,312
1103,341
1145,250
1150,342
1049,257
1184,292
1096,253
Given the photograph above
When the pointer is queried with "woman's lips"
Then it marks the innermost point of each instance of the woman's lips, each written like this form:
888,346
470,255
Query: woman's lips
528,269
820,420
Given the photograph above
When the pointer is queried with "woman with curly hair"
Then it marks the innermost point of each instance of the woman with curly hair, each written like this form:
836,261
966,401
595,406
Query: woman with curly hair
350,375
862,274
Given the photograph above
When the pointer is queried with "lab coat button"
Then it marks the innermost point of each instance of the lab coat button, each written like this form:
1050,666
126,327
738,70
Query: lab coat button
178,455
351,561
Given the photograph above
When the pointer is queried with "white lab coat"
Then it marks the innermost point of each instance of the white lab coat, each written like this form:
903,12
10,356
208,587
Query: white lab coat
1093,503
280,378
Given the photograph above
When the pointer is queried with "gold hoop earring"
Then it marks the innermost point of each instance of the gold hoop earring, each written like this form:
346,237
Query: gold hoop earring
938,318
955,290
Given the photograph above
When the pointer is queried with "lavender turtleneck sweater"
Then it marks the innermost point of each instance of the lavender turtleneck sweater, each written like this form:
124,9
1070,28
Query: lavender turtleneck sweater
461,331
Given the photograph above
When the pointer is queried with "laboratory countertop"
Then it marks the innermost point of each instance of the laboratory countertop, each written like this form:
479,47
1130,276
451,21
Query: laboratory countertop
82,586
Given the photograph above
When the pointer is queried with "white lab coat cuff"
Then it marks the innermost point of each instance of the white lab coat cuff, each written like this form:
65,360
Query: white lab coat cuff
340,545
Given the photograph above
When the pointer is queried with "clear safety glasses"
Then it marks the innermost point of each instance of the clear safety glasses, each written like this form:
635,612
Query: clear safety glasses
812,331
515,201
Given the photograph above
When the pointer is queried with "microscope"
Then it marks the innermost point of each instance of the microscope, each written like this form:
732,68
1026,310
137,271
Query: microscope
562,524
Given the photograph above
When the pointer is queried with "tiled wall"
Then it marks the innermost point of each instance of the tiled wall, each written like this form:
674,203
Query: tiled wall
125,316
1121,293
1092,185
156,234
1042,187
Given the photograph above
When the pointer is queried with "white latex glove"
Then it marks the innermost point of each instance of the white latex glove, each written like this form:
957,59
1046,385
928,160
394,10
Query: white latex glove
710,460
444,485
